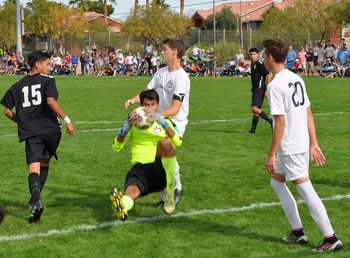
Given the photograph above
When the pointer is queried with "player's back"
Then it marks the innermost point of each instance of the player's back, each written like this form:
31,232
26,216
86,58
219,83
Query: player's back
34,116
287,96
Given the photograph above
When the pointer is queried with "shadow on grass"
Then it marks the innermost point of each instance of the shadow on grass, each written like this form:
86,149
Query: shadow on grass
333,183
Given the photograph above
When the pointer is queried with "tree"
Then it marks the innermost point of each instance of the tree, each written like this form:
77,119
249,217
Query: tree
38,18
136,6
66,21
312,20
182,7
224,20
283,24
341,11
98,7
155,24
8,24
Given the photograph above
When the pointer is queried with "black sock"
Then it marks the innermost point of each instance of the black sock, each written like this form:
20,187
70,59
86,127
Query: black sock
44,171
265,117
255,121
34,187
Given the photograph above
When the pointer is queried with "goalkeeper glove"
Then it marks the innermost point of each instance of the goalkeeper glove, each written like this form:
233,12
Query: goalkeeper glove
125,129
160,120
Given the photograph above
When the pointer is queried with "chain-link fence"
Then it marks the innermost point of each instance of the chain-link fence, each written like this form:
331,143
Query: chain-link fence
104,40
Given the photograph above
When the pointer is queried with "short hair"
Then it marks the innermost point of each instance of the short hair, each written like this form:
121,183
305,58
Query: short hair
149,94
253,49
277,48
176,44
37,56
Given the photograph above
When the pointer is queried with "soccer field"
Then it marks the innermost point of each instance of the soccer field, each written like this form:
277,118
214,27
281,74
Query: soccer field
228,210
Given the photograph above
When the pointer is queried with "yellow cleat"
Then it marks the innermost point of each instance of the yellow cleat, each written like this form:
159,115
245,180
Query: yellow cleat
116,197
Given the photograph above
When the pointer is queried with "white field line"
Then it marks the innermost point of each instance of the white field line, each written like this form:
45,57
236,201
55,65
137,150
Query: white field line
190,123
118,223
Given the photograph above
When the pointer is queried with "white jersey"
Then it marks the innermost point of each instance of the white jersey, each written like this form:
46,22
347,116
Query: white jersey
287,96
170,86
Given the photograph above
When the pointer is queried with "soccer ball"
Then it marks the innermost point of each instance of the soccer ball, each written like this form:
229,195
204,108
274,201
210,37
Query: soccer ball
140,118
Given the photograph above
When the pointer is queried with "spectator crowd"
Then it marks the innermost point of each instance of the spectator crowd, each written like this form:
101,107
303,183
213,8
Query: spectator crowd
326,60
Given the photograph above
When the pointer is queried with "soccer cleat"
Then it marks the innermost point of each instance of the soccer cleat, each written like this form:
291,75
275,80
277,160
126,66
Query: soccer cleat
295,238
169,204
178,196
36,209
118,205
329,244
251,131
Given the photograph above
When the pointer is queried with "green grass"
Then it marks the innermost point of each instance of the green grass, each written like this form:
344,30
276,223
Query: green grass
221,168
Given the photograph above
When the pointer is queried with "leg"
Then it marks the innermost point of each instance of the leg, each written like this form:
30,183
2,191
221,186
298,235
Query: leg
166,152
44,172
319,214
290,209
317,210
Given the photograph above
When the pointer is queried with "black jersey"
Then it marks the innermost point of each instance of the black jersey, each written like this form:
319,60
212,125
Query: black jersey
258,75
29,97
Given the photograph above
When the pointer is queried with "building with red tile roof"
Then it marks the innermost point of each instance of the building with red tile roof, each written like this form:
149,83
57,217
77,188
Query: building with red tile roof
252,11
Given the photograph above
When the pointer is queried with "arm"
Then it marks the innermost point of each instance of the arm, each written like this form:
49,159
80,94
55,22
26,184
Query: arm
276,141
316,154
134,100
173,109
10,115
55,107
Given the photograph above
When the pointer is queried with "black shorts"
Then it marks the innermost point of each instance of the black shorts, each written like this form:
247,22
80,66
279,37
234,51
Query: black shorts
258,95
149,178
42,148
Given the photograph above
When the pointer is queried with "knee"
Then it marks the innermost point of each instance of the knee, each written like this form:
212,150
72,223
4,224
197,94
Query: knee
255,109
165,146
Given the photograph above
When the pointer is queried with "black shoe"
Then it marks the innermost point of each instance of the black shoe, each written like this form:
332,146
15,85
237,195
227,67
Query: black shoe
36,209
178,196
329,244
296,238
251,131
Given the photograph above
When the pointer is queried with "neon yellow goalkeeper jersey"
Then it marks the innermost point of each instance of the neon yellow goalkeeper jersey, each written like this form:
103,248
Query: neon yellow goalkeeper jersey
144,142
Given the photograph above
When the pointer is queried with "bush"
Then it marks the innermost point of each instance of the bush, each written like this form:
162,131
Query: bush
225,50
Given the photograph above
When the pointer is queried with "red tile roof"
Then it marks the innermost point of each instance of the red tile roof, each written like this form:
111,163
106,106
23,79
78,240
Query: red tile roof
251,10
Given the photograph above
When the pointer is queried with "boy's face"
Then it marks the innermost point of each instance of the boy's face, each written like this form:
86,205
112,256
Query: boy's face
254,56
43,66
150,104
168,53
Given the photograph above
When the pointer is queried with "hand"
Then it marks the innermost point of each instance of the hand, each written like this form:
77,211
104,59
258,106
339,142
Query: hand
160,120
317,156
151,115
70,129
128,103
270,164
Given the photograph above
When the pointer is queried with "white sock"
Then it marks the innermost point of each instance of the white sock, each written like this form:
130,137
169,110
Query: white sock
288,202
316,207
178,184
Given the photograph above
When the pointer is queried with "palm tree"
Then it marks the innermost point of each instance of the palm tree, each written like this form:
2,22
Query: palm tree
182,7
105,6
136,6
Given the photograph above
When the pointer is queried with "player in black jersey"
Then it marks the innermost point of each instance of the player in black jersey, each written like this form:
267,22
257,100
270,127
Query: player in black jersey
37,117
259,75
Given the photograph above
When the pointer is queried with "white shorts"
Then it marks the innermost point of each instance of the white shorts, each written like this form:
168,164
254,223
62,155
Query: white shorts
293,166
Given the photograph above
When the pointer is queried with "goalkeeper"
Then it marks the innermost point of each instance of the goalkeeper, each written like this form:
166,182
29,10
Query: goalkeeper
153,158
